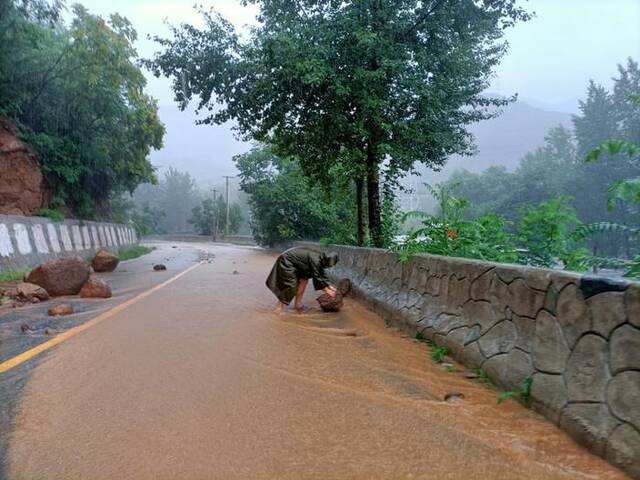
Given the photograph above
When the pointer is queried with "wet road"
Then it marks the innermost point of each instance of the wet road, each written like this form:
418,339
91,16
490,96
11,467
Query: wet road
198,380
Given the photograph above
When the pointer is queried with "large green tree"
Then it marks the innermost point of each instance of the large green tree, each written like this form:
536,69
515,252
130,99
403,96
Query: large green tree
76,93
286,205
347,87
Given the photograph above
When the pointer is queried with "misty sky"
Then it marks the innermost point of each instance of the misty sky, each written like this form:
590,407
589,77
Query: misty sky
550,61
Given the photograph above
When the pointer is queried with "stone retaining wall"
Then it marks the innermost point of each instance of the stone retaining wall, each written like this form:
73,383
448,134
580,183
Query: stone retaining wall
28,241
577,337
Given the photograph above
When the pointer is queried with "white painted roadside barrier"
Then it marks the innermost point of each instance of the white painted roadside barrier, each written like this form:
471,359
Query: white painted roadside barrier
27,241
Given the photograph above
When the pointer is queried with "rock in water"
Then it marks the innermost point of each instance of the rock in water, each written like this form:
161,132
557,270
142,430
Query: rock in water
64,276
95,288
344,286
59,310
329,304
31,291
453,396
159,267
104,261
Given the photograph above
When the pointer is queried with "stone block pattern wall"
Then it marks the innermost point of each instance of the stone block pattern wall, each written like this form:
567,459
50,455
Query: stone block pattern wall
28,241
577,336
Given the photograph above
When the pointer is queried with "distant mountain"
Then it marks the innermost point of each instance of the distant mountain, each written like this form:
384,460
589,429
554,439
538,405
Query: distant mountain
501,141
568,105
504,140
206,151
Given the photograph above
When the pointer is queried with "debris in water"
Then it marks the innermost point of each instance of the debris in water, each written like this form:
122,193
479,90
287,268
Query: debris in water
59,310
329,303
453,396
344,286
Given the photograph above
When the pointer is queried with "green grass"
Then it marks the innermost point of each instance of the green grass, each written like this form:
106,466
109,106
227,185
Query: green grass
421,338
523,393
136,251
51,214
438,353
484,380
12,275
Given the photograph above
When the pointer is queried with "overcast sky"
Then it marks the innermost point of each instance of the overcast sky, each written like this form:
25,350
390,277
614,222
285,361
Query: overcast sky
550,60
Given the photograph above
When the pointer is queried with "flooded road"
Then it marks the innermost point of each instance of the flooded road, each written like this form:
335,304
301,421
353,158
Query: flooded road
200,380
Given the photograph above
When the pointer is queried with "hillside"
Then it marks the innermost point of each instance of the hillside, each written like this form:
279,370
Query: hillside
206,151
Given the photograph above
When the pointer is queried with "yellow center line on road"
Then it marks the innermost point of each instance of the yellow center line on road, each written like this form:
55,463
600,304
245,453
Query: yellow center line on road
29,354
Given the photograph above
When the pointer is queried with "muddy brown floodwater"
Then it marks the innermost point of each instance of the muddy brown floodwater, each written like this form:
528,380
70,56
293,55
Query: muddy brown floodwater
200,381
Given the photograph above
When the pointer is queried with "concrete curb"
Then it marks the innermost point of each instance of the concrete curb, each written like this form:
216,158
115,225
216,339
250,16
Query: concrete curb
575,337
28,241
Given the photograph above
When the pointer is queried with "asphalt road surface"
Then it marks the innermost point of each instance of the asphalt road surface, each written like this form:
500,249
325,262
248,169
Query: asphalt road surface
195,378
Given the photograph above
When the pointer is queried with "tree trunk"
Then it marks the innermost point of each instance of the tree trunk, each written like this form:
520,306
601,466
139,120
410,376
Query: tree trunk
373,197
360,210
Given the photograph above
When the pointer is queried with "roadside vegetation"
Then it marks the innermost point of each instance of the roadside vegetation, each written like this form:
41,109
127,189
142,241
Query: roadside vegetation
347,90
573,203
76,93
135,251
12,276
478,375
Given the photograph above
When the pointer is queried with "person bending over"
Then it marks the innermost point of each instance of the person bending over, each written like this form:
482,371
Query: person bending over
292,271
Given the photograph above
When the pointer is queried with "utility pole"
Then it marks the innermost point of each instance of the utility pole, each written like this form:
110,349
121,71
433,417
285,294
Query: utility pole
215,216
226,225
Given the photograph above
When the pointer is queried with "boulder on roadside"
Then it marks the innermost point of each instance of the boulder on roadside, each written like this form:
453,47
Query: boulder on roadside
330,304
344,286
60,310
10,292
64,276
95,288
104,261
453,396
29,291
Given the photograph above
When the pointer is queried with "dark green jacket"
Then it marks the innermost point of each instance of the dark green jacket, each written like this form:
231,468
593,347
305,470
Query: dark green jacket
297,263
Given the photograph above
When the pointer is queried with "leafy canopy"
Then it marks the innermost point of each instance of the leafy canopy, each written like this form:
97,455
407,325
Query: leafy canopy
285,205
343,86
77,94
